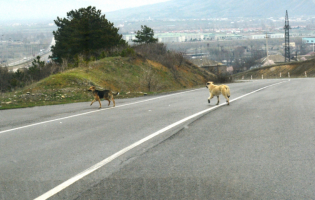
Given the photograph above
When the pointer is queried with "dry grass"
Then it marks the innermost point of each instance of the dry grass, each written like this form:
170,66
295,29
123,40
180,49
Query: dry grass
296,70
131,77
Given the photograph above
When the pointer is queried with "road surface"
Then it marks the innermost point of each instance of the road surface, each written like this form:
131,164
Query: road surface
262,146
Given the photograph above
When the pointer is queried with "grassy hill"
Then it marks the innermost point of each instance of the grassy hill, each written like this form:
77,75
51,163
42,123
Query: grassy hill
132,77
296,70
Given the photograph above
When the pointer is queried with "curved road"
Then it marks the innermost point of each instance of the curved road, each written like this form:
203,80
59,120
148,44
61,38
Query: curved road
14,66
262,146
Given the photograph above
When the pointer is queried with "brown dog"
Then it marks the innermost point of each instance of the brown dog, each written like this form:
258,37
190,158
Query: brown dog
216,90
106,94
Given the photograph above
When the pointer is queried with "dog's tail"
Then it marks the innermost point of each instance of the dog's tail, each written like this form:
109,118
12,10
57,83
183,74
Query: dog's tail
228,91
117,93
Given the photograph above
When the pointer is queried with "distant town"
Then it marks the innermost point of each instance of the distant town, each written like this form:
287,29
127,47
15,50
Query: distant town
214,40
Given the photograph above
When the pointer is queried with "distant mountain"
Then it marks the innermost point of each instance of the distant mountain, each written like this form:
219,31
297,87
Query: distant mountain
198,9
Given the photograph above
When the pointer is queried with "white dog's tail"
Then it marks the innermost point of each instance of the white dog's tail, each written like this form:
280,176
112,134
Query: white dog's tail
228,91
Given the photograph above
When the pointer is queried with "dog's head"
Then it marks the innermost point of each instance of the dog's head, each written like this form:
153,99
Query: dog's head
209,83
92,88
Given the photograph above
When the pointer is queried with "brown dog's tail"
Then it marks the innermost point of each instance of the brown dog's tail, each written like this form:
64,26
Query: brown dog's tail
228,91
117,93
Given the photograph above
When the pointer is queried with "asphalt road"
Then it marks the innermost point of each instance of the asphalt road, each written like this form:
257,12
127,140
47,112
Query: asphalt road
262,146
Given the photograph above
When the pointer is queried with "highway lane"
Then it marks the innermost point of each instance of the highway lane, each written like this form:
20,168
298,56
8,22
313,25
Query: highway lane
37,158
43,54
261,147
27,61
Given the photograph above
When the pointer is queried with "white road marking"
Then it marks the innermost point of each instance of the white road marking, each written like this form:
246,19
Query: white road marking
71,116
88,171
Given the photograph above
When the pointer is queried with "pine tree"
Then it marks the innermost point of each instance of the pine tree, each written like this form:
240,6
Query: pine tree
145,35
84,31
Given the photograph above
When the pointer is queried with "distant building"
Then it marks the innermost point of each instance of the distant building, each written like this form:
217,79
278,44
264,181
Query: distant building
129,38
292,44
209,36
276,35
255,37
308,40
227,37
270,35
194,37
270,60
168,39
171,37
216,69
230,69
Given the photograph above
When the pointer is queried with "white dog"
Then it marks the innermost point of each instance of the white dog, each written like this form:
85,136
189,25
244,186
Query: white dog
216,90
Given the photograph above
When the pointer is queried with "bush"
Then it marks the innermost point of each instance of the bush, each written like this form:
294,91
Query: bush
158,52
38,70
128,52
224,79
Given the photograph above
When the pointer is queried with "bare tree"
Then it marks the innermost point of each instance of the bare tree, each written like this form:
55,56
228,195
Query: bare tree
64,64
149,79
4,78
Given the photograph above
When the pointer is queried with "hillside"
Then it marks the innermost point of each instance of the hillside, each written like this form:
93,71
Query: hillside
130,76
198,9
296,70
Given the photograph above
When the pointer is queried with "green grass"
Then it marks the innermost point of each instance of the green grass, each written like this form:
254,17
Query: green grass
115,73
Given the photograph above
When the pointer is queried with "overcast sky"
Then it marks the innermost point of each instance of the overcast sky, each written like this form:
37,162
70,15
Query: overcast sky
50,9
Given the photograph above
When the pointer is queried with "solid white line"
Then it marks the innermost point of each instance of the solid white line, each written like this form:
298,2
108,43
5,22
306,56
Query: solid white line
88,171
53,120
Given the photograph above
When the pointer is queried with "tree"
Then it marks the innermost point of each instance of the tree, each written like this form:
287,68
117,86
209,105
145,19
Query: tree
84,31
35,70
4,79
145,35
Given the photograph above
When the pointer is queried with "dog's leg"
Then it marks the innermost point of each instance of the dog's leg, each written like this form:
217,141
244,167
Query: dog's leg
113,101
92,102
227,100
99,102
108,101
211,96
218,100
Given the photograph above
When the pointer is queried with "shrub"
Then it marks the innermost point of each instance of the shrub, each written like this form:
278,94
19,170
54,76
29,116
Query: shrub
128,52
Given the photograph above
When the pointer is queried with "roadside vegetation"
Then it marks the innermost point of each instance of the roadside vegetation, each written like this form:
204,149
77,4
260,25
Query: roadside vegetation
89,51
132,76
293,69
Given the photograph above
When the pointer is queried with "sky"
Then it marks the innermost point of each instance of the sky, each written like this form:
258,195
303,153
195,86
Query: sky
50,9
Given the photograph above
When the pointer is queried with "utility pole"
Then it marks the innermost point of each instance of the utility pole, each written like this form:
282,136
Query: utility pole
267,44
2,51
287,39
